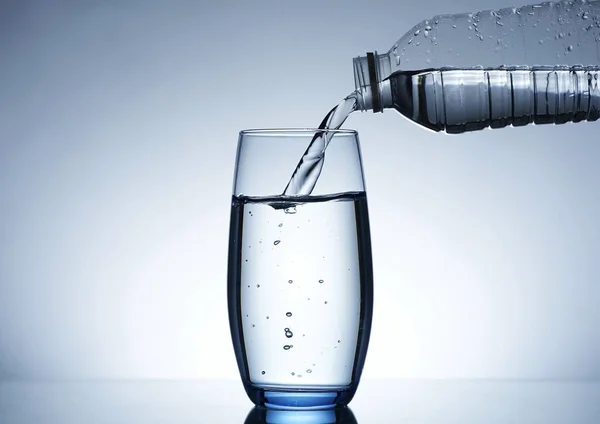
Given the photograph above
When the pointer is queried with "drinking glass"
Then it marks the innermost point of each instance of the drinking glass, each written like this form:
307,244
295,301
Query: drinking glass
300,278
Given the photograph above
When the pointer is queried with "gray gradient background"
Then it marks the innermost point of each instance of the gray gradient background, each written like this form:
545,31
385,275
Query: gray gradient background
118,129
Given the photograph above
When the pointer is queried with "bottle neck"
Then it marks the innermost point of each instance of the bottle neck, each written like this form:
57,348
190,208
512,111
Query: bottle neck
370,79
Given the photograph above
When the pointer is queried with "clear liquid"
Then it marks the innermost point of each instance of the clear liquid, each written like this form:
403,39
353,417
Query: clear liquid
305,176
301,290
461,100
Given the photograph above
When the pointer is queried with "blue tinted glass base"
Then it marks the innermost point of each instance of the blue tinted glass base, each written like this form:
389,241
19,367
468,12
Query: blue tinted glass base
300,400
305,399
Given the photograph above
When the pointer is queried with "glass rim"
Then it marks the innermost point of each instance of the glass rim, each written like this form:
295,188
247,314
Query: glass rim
292,131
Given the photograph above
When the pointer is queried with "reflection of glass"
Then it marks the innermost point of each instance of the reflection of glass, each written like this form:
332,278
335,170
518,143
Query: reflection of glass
260,415
300,285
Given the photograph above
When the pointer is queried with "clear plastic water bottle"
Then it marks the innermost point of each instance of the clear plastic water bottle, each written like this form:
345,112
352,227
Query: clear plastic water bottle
464,72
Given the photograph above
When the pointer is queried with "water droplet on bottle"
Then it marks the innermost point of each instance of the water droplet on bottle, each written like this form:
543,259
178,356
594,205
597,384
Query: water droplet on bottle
470,27
561,35
263,373
287,347
321,281
541,41
585,15
276,242
570,48
480,37
290,281
453,26
308,371
426,34
427,27
288,333
416,32
288,314
290,210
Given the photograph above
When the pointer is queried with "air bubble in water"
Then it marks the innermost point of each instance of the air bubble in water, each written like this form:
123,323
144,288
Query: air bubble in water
263,373
326,302
258,286
287,347
321,281
339,341
308,371
280,224
290,281
293,373
288,314
267,317
291,210
276,242
288,333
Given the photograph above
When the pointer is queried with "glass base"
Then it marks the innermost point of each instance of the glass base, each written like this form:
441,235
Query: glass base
300,400
262,415
305,399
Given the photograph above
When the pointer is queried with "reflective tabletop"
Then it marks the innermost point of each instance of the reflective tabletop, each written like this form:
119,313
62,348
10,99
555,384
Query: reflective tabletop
377,401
